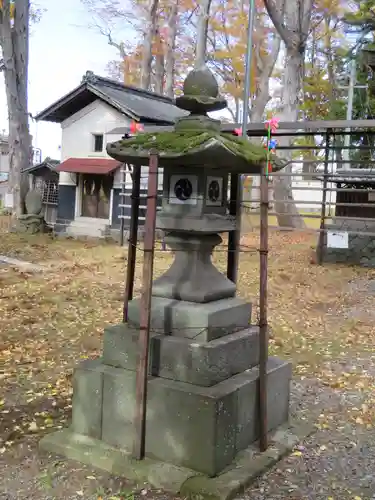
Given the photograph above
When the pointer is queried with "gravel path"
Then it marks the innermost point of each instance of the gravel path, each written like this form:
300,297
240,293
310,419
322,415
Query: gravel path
337,461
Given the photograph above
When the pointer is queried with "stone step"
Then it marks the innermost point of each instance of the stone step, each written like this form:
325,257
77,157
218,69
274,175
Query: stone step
199,322
91,221
200,363
85,227
82,231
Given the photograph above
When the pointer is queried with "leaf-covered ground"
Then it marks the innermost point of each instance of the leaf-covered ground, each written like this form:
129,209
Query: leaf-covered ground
321,318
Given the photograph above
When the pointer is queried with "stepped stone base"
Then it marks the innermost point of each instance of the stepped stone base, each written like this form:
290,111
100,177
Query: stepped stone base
247,466
184,359
202,428
202,322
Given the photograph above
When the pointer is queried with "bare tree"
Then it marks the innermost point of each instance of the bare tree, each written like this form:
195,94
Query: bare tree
265,68
14,41
159,65
151,25
202,33
111,18
170,57
291,19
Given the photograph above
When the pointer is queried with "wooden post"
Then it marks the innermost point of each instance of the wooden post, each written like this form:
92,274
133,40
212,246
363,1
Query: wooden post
234,237
263,321
322,235
133,240
145,311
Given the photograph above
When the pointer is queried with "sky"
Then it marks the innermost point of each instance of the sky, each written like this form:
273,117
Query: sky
62,49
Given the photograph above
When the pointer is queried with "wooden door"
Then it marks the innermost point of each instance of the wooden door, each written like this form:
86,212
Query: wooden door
96,193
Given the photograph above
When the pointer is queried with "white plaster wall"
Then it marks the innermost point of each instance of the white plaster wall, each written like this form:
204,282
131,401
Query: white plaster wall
67,179
4,164
77,139
77,130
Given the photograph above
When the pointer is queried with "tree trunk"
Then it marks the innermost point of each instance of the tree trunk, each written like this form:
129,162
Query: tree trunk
170,50
202,32
159,71
288,214
15,47
256,111
292,19
265,69
149,35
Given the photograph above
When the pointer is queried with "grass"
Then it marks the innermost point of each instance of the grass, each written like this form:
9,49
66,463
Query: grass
50,321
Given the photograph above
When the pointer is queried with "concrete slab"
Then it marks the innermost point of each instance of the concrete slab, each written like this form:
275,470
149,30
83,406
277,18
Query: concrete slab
247,466
118,462
202,322
22,264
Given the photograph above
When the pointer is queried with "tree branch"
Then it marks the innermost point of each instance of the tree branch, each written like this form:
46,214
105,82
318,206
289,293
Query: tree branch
277,15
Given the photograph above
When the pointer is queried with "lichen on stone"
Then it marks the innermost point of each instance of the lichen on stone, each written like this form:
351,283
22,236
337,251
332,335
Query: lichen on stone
184,142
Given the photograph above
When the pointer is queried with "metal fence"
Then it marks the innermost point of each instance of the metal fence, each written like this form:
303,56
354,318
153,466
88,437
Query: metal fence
125,205
328,190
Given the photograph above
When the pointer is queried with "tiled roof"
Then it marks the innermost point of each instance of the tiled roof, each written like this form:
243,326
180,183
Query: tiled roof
47,163
135,103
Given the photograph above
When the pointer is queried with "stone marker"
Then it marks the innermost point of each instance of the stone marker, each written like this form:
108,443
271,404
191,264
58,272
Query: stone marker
33,221
202,408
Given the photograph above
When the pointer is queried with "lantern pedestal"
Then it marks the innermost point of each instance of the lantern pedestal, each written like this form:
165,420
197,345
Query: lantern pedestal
199,427
203,376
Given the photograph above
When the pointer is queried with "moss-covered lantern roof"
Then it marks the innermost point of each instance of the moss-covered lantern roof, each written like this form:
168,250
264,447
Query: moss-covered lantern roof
196,140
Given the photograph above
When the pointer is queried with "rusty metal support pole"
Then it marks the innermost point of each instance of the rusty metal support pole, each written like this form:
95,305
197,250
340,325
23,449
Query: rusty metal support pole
234,236
133,239
322,235
122,212
145,311
263,321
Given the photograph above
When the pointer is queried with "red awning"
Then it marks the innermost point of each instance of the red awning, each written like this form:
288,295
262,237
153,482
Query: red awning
88,165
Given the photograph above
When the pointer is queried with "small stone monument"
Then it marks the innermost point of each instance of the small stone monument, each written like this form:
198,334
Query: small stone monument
202,407
33,221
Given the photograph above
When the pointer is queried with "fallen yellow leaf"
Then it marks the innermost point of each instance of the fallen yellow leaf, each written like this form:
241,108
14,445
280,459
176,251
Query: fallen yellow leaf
297,454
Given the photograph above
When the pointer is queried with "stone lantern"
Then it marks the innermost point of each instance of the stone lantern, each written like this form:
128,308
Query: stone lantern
202,405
